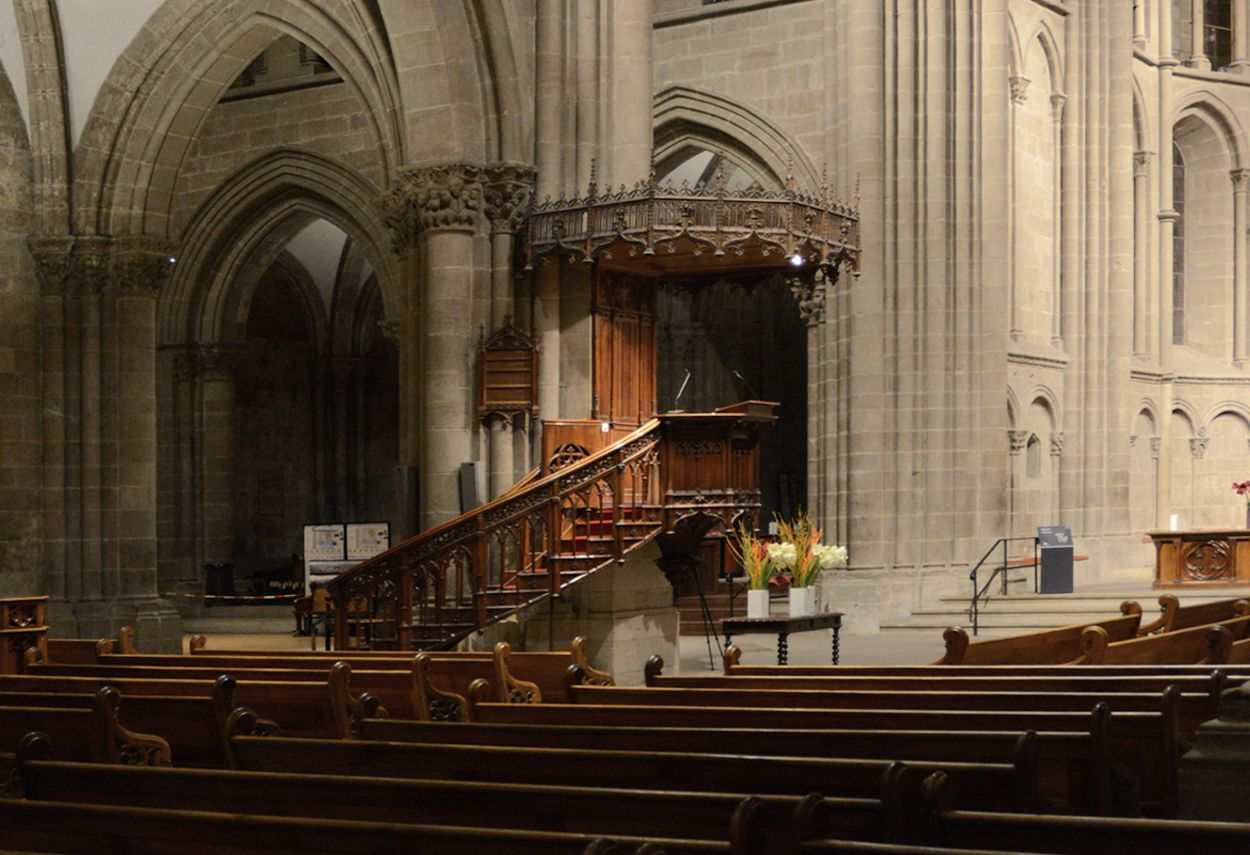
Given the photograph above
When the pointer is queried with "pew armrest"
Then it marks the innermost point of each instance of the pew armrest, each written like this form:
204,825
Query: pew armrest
956,640
513,690
116,744
731,658
430,703
1169,606
1093,646
591,676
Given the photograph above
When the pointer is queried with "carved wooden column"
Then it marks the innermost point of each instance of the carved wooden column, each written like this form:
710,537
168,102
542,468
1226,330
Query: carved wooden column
507,377
433,213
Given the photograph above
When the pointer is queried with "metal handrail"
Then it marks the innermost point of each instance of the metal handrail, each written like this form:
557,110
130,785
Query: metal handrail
974,608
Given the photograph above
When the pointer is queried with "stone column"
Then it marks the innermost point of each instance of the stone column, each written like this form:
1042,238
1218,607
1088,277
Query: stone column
1139,25
549,97
1016,442
1141,253
216,443
1241,37
433,213
1019,94
190,562
1056,471
1167,216
344,497
809,292
631,92
1058,101
507,192
501,448
1241,289
1197,35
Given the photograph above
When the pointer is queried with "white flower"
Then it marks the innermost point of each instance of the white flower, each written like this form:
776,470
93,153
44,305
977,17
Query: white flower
829,556
782,555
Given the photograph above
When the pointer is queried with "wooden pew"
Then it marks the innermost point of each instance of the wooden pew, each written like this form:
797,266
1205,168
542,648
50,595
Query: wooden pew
92,733
1059,646
922,815
194,727
81,829
1072,767
731,658
992,785
304,708
1144,742
585,810
1174,616
1205,645
1209,681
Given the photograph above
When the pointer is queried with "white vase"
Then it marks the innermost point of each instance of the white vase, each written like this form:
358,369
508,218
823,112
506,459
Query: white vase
757,603
803,601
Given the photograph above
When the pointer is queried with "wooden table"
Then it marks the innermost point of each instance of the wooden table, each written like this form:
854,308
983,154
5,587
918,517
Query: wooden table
1202,557
783,626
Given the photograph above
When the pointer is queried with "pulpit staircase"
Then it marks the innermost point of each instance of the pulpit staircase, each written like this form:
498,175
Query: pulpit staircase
553,529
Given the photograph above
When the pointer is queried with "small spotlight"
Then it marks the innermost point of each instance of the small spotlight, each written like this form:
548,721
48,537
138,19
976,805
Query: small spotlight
173,260
796,260
605,427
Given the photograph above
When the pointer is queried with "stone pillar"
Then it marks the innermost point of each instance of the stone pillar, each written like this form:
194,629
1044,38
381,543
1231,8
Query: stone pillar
501,450
1141,253
1058,101
549,97
1241,37
1019,94
1197,35
508,191
1056,471
216,444
433,213
1139,25
1167,216
547,333
101,341
345,500
587,91
810,293
1212,773
190,559
1016,442
631,92
1241,289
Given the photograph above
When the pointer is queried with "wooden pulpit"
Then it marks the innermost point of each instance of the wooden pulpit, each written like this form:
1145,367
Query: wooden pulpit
711,462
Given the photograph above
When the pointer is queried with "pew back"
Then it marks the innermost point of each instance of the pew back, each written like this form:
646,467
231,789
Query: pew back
1058,646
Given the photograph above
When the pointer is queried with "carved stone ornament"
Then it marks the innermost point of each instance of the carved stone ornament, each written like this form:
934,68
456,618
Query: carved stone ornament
447,196
1056,444
1156,442
1019,88
218,361
141,268
508,191
809,293
1017,440
96,264
390,330
1198,445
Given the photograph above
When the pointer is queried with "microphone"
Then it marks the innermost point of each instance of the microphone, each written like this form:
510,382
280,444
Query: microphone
680,392
750,389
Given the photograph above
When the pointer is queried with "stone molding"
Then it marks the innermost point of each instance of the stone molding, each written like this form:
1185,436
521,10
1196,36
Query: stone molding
810,293
1016,441
1156,442
1019,88
1241,180
1056,444
1198,445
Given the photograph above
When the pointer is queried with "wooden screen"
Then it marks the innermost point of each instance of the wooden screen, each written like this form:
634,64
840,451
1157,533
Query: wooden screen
624,317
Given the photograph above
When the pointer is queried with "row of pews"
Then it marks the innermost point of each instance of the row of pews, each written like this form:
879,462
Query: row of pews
354,751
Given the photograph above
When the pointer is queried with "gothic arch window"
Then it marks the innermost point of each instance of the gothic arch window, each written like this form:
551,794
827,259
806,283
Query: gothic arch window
1033,457
1178,246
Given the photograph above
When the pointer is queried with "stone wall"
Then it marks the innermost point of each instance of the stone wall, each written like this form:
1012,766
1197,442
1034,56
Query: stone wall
21,424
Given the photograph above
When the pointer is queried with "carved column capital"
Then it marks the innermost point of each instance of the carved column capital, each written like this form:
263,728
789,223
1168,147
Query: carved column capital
217,362
141,267
1057,103
54,262
186,364
1016,441
390,331
1241,180
1056,444
1156,442
1141,163
430,198
508,189
1019,88
1198,445
95,264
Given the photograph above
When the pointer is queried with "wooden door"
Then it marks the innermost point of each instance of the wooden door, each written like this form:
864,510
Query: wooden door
624,330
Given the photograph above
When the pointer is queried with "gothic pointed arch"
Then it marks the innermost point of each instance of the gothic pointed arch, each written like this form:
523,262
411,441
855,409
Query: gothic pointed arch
684,114
162,87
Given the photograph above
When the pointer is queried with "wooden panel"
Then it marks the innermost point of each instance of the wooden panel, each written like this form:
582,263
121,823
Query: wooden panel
23,624
1201,557
507,373
624,329
570,439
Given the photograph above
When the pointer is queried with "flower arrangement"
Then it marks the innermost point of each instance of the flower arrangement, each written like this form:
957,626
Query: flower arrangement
1242,488
753,554
801,552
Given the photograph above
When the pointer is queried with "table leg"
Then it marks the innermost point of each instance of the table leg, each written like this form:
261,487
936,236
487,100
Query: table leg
783,648
836,649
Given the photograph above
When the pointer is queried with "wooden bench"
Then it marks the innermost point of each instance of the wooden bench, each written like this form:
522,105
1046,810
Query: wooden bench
995,786
1146,743
1206,645
923,816
305,708
82,829
92,733
732,655
194,727
1174,616
1059,646
1072,767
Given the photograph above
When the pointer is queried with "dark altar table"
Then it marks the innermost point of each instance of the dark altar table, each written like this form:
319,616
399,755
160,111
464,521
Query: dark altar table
783,627
1201,557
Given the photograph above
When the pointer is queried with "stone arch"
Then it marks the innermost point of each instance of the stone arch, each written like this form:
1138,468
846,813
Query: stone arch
1016,53
250,214
1142,133
683,114
350,295
1210,108
1045,38
1237,409
1188,416
1044,395
1013,408
164,84
310,301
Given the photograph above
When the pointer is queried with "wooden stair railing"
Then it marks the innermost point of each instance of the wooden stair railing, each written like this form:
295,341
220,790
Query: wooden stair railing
435,588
